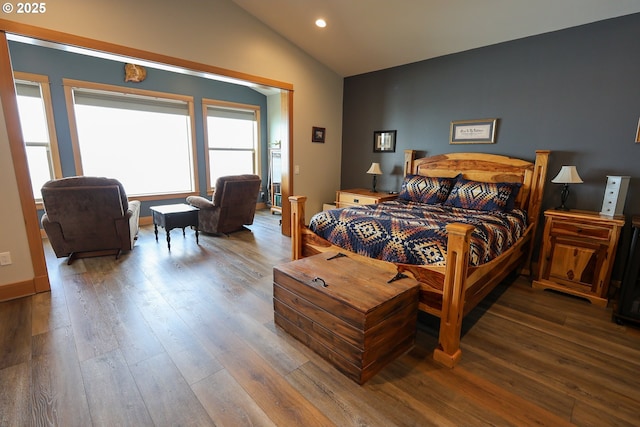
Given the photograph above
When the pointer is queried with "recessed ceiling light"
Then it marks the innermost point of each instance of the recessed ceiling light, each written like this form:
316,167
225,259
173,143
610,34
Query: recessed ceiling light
321,23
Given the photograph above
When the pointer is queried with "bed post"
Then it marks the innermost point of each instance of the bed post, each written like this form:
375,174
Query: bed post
448,351
409,157
297,223
535,201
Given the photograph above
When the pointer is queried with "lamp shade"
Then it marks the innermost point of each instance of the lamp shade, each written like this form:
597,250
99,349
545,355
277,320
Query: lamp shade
567,175
375,169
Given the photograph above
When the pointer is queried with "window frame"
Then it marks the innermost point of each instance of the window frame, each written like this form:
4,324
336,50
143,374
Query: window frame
45,92
257,158
69,85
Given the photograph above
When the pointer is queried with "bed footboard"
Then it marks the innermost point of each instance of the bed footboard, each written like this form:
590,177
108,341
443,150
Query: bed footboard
448,351
297,225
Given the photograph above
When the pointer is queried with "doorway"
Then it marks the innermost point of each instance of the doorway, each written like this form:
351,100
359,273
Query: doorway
48,37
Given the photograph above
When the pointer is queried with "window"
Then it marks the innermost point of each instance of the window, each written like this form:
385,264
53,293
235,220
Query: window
144,139
38,130
232,139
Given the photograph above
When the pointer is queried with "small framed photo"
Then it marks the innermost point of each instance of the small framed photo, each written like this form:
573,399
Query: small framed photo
638,133
384,141
481,131
317,134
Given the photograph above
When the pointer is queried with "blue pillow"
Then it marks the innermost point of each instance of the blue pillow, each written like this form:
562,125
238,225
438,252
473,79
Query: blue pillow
483,196
425,189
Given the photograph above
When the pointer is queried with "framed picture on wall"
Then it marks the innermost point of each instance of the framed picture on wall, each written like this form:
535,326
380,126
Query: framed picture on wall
317,134
384,141
638,133
481,131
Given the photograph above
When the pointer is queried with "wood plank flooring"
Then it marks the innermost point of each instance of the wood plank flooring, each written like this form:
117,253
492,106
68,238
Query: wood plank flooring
186,337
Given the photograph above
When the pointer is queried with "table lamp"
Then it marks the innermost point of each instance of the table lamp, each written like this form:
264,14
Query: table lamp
375,171
567,175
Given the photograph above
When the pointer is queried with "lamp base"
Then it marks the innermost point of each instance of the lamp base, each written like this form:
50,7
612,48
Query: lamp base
563,198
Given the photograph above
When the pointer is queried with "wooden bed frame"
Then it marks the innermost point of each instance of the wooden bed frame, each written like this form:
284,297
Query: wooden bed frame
451,291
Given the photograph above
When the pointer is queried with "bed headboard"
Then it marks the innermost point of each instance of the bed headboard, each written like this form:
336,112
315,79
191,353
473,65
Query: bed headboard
488,168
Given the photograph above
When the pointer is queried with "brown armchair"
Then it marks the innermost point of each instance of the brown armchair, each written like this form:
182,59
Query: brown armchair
233,205
89,216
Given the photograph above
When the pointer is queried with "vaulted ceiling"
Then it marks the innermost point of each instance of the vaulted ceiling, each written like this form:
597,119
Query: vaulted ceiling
369,35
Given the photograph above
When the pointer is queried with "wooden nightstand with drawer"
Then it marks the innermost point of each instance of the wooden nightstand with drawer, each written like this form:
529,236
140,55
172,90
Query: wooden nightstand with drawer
360,196
578,252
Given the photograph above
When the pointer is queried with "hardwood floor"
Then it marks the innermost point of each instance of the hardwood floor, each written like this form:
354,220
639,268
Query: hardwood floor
187,338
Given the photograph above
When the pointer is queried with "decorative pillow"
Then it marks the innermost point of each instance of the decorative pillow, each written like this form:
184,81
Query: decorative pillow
425,189
483,196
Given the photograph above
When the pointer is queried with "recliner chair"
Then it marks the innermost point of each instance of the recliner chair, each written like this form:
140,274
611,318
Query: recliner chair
89,216
232,207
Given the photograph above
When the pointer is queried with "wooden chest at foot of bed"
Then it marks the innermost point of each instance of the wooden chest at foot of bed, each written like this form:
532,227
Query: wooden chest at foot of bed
346,311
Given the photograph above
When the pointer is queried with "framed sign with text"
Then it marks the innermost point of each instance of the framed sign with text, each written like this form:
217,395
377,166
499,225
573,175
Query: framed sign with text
481,131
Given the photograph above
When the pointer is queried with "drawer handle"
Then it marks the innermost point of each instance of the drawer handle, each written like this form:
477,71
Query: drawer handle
318,279
356,200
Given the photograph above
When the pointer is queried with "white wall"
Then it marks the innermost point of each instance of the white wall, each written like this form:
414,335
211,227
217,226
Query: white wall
213,32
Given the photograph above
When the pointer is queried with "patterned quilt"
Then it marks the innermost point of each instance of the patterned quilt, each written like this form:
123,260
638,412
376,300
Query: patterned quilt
414,233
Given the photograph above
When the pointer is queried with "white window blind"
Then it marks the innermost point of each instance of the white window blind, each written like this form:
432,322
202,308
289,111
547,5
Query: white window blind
35,132
232,140
143,141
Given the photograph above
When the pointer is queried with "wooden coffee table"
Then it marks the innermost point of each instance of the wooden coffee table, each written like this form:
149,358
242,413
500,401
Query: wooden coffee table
174,216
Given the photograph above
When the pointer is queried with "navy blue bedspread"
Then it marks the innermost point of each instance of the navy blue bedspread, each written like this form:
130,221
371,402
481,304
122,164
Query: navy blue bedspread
414,233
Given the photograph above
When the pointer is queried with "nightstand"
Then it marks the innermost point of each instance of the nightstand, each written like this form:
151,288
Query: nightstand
360,196
578,252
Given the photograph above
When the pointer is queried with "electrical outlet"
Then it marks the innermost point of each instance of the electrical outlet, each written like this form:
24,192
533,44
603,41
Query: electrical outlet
5,258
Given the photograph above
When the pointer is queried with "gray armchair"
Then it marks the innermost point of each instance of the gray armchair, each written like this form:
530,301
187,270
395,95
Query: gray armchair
89,216
232,207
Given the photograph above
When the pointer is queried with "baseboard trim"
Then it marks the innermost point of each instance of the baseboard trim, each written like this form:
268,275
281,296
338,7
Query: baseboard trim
145,220
17,290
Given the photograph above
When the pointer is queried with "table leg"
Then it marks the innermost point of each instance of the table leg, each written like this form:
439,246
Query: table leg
197,241
183,235
168,239
155,230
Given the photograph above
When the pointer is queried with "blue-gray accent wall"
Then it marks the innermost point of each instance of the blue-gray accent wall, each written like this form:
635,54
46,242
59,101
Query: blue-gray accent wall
58,65
575,92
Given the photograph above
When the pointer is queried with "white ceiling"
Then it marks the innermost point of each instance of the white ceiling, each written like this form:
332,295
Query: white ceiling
369,35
